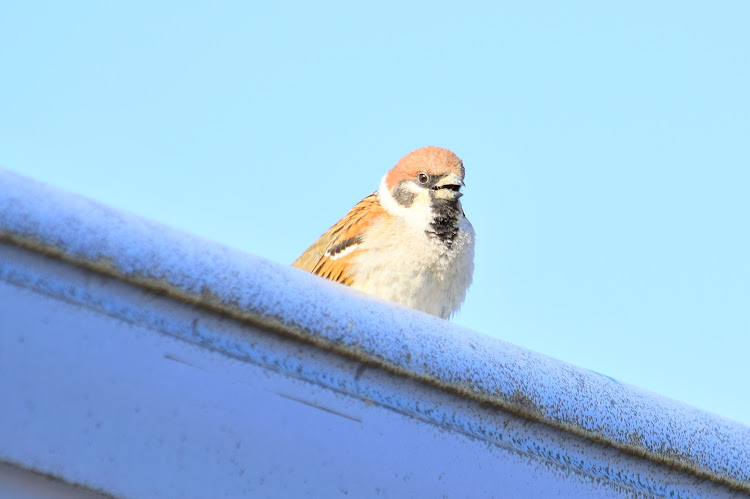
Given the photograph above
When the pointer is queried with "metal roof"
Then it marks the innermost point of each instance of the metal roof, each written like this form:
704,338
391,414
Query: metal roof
415,346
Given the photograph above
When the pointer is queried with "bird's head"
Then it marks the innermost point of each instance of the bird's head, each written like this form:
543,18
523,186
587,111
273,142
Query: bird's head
426,174
421,182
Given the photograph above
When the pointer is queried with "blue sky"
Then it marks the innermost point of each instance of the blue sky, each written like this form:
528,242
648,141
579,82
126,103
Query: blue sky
606,148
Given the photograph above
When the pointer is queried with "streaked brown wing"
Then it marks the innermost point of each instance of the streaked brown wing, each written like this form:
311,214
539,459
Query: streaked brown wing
320,258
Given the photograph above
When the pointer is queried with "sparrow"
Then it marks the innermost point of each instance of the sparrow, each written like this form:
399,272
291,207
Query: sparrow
409,242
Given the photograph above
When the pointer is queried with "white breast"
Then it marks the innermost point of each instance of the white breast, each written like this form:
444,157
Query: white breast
400,262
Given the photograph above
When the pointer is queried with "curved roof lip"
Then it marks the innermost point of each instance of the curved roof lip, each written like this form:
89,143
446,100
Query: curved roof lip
274,296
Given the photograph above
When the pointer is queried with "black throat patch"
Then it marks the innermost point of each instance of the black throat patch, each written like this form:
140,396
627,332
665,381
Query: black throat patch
444,224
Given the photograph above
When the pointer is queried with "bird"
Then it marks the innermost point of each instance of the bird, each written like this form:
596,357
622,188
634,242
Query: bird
409,242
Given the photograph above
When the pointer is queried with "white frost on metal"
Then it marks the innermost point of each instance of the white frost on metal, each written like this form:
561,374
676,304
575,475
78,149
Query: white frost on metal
422,349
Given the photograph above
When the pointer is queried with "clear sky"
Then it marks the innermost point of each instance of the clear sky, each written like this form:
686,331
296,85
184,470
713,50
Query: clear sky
607,150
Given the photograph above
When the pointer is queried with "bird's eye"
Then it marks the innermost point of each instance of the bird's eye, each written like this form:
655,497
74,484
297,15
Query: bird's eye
423,178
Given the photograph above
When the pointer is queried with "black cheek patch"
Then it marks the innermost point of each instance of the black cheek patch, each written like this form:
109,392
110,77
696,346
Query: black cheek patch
403,196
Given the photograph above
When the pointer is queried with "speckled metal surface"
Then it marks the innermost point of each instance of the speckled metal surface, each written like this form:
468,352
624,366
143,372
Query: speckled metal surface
161,364
406,342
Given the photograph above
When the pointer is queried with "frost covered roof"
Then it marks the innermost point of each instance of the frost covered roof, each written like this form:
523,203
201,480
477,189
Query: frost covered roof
334,317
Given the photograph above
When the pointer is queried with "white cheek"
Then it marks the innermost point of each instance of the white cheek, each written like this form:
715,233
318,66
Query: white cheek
418,214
